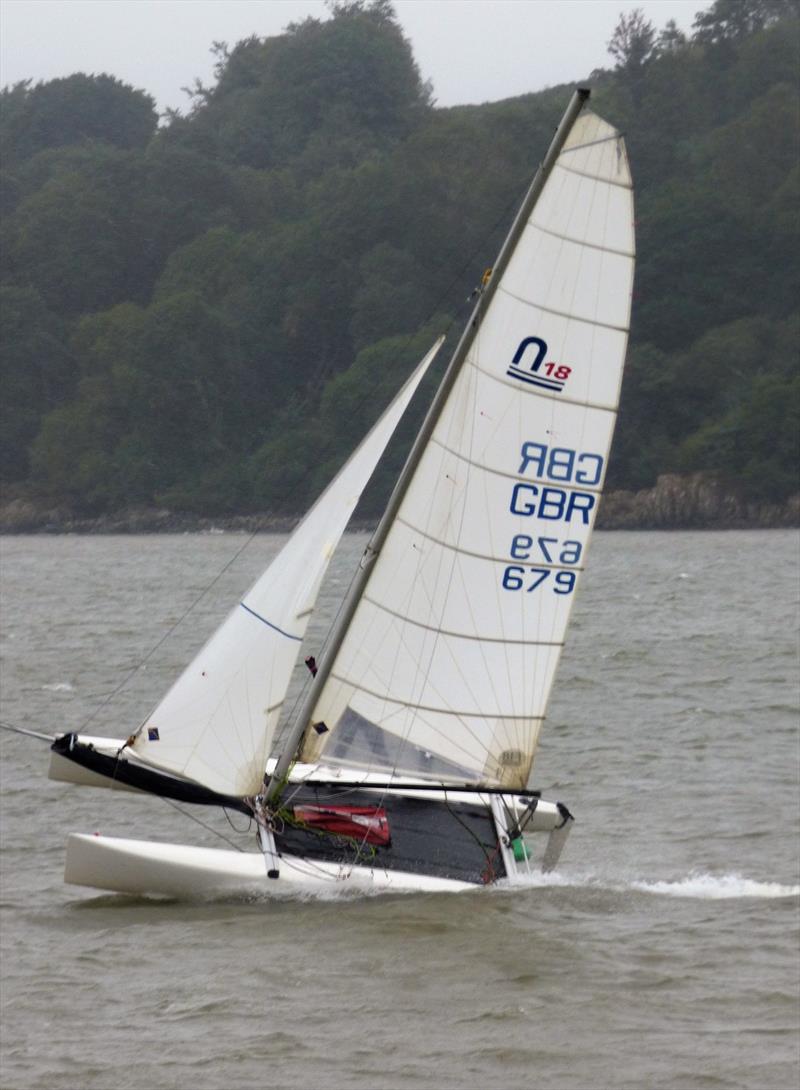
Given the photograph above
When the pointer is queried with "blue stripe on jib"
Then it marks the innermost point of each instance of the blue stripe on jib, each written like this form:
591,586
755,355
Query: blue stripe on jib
269,624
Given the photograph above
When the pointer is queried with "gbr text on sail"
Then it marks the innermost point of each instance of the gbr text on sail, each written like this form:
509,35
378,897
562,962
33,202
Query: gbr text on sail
563,467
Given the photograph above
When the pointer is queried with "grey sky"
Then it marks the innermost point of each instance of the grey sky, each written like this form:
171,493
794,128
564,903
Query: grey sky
471,50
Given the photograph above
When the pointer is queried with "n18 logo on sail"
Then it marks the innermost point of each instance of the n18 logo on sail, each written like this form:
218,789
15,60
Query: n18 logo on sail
528,365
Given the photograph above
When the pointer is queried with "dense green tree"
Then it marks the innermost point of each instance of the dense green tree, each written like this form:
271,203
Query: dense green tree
210,265
708,409
309,443
750,158
10,192
755,446
211,314
70,111
70,239
671,39
74,455
98,224
394,296
727,20
644,443
36,374
179,196
696,268
164,397
324,93
778,226
633,42
633,45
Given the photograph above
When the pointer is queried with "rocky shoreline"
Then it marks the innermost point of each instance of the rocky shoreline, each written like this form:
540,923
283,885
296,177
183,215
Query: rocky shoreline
698,502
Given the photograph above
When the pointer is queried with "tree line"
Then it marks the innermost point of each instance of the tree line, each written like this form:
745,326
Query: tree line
204,311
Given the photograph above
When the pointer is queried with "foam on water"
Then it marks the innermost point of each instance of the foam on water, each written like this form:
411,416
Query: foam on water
694,886
705,887
714,887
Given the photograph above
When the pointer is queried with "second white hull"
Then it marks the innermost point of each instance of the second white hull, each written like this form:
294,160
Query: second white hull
177,870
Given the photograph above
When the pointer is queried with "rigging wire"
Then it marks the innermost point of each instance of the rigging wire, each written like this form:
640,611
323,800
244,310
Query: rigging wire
210,828
489,868
443,296
176,624
31,733
186,813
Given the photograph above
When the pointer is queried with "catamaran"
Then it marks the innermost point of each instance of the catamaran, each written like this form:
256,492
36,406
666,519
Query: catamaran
406,764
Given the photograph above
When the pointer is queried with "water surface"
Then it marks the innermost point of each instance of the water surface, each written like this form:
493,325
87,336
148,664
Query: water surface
663,953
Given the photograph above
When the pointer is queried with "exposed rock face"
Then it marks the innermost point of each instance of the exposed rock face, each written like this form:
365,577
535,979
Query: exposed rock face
698,502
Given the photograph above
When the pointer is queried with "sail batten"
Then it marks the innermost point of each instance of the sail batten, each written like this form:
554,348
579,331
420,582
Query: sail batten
458,713
489,558
562,313
464,635
579,242
447,662
472,463
594,177
614,136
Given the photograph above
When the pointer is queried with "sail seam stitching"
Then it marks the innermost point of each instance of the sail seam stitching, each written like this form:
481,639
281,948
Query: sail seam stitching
477,714
446,632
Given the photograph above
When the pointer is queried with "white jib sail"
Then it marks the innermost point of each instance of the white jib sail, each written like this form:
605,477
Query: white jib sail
446,668
216,723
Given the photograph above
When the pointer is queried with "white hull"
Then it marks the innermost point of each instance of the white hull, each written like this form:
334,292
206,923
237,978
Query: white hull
177,870
122,865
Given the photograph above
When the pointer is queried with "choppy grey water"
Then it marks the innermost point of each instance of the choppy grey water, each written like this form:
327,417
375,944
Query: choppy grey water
664,952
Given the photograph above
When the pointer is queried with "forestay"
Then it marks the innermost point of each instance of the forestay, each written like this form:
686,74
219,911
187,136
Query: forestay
446,667
217,722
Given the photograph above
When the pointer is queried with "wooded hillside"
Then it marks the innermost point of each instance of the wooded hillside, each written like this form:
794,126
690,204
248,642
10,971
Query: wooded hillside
205,314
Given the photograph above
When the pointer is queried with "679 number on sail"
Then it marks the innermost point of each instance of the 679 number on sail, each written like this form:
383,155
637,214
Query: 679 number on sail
544,549
548,502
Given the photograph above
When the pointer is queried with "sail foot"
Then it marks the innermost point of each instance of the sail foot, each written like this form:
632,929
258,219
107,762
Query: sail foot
83,762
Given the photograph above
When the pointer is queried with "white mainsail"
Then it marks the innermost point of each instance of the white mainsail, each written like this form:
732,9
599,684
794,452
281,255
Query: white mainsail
447,664
217,722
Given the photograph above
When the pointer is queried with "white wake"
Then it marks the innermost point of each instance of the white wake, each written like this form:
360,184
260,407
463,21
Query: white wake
699,886
714,887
